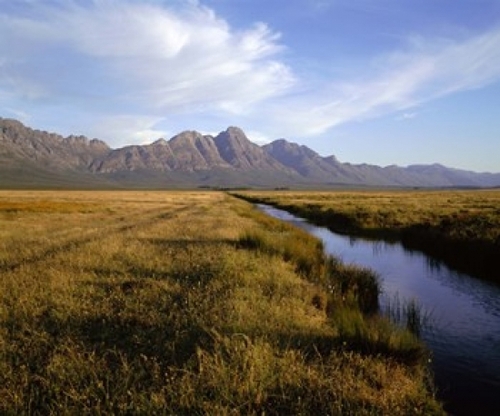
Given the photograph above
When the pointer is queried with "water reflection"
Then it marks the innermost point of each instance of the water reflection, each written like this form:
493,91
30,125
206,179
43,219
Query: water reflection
465,335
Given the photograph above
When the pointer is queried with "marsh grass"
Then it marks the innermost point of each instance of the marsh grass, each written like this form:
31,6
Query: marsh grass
292,245
461,228
352,285
149,303
408,313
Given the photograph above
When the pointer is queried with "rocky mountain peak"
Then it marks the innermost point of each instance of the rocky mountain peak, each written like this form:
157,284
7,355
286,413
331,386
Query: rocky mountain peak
237,150
160,142
195,152
188,136
235,132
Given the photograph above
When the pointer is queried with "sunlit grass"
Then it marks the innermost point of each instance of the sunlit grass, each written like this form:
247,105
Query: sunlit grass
187,303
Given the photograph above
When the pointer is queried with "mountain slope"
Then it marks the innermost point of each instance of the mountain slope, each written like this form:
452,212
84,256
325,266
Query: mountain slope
309,164
32,158
35,158
48,149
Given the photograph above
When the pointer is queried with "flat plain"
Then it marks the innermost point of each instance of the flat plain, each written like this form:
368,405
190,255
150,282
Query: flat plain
159,302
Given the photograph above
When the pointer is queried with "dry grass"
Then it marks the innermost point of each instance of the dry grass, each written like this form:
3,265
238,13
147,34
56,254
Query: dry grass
398,209
154,302
460,227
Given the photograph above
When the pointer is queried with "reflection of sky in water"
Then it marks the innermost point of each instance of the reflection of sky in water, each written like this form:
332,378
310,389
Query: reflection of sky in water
465,312
454,297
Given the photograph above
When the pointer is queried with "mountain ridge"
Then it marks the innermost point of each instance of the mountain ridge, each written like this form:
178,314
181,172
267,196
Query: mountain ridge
191,159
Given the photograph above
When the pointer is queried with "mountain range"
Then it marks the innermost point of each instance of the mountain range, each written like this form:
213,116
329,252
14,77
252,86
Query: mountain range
34,158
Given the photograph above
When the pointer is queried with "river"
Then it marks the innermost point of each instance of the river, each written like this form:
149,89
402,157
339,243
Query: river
464,314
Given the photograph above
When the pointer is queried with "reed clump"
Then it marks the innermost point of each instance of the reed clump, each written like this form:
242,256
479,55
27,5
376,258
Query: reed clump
148,303
408,313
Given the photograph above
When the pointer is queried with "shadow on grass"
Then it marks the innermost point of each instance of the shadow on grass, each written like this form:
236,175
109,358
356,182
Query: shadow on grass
185,243
383,342
171,341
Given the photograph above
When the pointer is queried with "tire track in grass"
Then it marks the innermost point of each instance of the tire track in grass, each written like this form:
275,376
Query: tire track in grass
113,228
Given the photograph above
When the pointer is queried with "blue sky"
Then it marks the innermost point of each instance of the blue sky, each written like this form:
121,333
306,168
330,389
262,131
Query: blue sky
369,81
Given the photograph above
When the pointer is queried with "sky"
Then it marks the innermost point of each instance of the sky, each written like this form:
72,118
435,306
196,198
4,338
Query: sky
370,81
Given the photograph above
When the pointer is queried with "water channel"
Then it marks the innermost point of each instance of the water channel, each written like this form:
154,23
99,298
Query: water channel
464,312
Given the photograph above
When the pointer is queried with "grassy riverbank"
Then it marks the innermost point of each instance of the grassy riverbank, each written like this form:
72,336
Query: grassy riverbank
189,303
460,227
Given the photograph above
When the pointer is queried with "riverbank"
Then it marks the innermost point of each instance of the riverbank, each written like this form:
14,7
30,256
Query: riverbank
461,228
148,303
457,314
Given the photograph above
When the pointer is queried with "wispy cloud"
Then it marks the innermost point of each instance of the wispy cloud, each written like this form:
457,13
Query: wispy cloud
430,69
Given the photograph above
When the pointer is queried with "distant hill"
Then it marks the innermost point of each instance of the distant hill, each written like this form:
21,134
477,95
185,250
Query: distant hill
33,158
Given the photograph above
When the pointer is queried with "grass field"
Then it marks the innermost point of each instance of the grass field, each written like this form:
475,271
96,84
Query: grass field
189,303
461,227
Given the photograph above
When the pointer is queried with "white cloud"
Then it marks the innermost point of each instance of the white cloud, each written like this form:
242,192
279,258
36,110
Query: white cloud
114,55
121,130
259,137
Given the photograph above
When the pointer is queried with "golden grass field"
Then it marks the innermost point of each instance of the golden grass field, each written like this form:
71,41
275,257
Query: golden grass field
151,302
